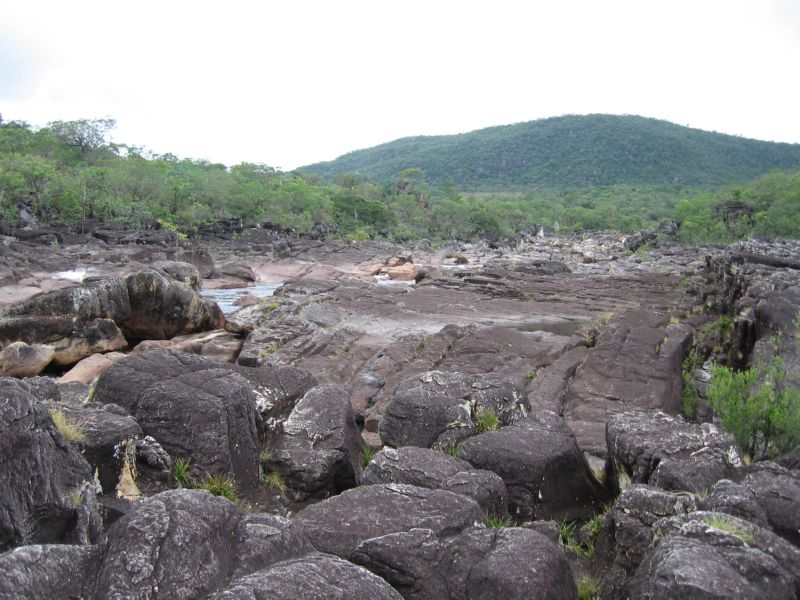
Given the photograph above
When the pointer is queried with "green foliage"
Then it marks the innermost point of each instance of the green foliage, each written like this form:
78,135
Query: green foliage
568,532
487,420
572,151
689,395
758,407
183,475
496,522
366,455
71,430
274,481
587,588
219,485
723,523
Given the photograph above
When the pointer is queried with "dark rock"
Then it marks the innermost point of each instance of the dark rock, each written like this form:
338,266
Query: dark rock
639,443
40,476
790,460
155,471
196,410
108,446
179,271
475,564
313,577
544,470
44,572
319,452
177,544
437,471
737,500
265,540
777,490
437,408
339,524
236,270
162,307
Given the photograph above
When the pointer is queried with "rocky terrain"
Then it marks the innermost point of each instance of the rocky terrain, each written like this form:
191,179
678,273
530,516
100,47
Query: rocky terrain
394,422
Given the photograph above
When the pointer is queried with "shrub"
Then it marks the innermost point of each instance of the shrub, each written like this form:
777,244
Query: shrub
764,418
72,431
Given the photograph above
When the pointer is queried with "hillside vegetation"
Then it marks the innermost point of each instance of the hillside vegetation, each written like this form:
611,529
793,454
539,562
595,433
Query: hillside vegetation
68,172
572,151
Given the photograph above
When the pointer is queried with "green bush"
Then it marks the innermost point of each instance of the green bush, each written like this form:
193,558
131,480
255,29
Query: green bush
758,407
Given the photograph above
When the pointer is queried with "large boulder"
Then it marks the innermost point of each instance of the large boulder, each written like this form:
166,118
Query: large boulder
44,572
716,556
19,359
478,563
178,544
44,496
90,367
544,471
313,577
195,409
264,540
438,471
777,491
437,408
319,451
666,451
339,524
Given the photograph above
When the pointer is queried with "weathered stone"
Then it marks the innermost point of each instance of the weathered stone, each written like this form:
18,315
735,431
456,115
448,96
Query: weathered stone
441,408
19,359
178,544
777,490
219,344
265,540
339,524
437,471
312,577
319,452
639,442
90,367
544,470
155,471
40,475
44,572
737,500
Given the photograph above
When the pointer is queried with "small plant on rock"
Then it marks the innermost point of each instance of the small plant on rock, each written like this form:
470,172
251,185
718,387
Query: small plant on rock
182,467
586,588
219,484
366,454
487,420
71,430
273,480
722,523
569,538
496,522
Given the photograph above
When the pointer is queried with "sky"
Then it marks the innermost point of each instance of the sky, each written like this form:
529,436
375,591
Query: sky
295,82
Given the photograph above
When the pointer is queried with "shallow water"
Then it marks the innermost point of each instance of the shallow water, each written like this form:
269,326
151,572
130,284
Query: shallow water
226,297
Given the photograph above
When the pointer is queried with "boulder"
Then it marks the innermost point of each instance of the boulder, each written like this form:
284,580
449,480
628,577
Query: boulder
737,500
44,572
235,270
41,476
644,447
478,563
98,335
319,451
162,307
437,408
196,410
155,471
438,471
312,577
108,443
19,359
185,272
178,544
339,524
777,491
218,344
717,556
90,367
544,471
264,540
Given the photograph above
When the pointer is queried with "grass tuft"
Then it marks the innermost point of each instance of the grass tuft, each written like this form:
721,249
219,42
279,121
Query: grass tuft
587,588
219,485
273,480
499,522
70,430
722,523
185,480
366,454
487,420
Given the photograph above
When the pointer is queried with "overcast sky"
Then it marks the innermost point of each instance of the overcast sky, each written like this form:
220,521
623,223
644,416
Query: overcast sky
294,82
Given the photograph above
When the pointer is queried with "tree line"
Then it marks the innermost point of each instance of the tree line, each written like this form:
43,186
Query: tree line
68,171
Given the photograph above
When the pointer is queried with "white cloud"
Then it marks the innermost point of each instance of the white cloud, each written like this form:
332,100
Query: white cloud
292,83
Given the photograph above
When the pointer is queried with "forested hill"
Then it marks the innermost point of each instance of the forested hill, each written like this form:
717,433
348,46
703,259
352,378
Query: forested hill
572,151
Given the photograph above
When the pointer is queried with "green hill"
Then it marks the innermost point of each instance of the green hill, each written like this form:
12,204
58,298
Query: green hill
572,151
